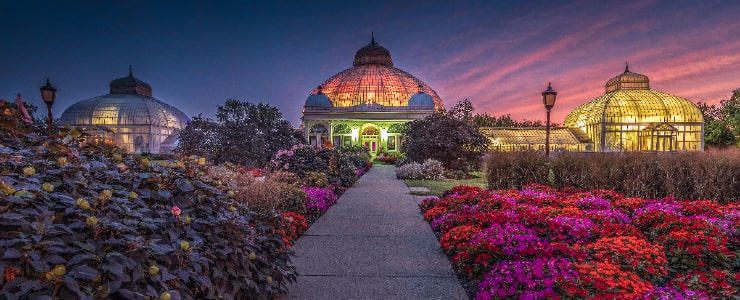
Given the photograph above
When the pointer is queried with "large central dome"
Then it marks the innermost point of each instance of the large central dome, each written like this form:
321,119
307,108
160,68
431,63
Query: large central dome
374,80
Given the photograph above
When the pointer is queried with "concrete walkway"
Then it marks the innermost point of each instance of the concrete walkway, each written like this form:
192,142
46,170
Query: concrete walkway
373,244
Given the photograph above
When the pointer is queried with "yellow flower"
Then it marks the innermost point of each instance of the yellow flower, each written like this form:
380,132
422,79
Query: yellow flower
6,188
117,157
145,162
62,161
153,270
91,221
268,279
252,256
202,161
105,194
133,195
28,171
47,187
59,270
184,245
165,296
83,204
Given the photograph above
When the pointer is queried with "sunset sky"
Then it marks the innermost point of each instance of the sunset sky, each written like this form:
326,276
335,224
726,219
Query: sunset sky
498,54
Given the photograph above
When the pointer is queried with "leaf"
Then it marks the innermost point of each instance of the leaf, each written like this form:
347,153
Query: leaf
39,266
11,253
12,219
164,194
184,185
84,272
114,268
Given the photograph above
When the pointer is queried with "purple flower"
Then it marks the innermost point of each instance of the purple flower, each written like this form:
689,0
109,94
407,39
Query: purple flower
319,199
525,279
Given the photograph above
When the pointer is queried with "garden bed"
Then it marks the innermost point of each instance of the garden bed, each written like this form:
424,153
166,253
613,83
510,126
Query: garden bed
544,243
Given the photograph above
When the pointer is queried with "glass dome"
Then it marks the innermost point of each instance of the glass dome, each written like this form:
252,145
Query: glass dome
140,122
630,116
374,80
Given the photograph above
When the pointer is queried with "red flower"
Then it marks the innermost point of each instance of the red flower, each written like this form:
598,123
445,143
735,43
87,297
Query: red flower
176,210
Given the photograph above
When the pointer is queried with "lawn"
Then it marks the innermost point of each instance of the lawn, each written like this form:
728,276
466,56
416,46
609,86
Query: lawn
437,187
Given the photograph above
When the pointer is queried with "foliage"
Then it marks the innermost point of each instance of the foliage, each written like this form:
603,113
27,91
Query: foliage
103,225
264,196
486,120
303,159
358,155
722,123
540,242
429,170
713,174
243,133
450,138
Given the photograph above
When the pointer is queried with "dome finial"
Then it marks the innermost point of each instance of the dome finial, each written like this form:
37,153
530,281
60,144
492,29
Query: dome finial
372,38
626,66
421,87
320,90
130,71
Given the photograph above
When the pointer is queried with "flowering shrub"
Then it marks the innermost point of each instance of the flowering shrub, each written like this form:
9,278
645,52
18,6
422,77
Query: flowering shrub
302,159
292,225
543,243
319,199
429,170
97,225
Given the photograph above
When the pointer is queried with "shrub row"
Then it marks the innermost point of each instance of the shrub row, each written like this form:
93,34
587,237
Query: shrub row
431,169
712,174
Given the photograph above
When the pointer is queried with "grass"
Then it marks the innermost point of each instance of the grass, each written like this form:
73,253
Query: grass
437,187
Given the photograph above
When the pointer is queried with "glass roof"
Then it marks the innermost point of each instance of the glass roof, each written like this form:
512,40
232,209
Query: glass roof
374,80
633,106
534,136
123,109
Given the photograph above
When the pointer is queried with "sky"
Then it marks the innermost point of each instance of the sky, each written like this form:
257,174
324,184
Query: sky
499,55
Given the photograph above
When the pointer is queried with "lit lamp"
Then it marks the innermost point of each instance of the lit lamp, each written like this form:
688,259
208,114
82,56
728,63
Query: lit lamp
49,94
548,99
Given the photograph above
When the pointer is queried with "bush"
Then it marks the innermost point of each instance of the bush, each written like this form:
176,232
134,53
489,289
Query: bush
267,196
411,170
303,159
430,170
712,174
103,225
319,199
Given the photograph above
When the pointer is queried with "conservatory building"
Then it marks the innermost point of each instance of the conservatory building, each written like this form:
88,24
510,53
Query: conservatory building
128,116
367,104
632,117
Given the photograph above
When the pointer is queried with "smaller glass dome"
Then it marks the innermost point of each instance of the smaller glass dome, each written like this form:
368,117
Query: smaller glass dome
421,99
318,99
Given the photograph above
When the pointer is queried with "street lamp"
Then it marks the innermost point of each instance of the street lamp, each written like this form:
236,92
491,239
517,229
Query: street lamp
548,99
49,94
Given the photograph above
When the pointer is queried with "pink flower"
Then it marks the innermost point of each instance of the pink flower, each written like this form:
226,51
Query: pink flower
176,210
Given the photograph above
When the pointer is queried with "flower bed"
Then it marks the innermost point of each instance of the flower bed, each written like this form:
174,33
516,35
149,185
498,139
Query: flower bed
540,243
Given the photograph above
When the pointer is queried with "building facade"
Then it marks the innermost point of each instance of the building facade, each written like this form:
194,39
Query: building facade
367,104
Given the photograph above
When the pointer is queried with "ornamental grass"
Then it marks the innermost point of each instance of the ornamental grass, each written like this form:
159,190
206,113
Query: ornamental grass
543,243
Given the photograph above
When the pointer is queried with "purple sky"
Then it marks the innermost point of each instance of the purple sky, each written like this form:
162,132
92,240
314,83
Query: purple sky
498,54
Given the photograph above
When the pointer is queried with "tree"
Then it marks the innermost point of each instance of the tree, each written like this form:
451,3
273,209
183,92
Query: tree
486,120
722,123
243,133
449,137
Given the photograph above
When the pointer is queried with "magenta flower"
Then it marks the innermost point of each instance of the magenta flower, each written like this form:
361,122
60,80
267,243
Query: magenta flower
176,210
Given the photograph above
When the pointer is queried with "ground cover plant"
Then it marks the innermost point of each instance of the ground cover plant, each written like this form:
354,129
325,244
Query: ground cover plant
713,174
540,242
91,223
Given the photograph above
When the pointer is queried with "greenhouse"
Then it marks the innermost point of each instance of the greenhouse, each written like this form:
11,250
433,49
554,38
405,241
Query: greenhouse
367,104
128,116
522,139
632,117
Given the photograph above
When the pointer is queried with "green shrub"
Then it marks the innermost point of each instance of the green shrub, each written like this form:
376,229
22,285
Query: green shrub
514,169
430,170
302,159
110,226
315,179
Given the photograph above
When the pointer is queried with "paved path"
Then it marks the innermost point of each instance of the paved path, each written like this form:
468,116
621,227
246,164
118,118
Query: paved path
373,244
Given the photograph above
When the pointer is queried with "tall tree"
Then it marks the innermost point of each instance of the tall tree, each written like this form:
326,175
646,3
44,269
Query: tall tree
243,133
449,137
722,123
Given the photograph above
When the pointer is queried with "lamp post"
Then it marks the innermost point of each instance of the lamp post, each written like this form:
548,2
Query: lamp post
548,99
49,94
